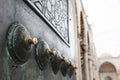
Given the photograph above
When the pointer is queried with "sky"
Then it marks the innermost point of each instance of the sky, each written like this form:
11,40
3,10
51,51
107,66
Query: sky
104,18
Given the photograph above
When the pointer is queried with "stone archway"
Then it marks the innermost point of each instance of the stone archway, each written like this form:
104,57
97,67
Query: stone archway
107,71
107,67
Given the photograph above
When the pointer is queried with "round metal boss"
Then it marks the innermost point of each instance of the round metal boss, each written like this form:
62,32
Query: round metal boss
19,43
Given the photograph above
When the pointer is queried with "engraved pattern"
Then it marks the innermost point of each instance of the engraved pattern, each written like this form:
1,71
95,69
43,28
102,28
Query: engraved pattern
56,12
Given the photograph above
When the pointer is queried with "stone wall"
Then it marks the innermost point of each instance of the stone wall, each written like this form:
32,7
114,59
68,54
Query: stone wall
112,60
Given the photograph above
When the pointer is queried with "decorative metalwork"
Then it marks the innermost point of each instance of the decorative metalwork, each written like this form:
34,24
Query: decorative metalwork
71,69
55,12
42,56
64,66
19,43
56,61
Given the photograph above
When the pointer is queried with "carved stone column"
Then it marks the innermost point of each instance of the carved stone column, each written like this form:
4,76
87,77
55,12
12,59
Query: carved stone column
86,67
90,69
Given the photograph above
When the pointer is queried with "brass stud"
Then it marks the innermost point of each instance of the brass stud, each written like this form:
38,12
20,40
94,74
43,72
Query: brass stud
73,65
34,41
54,52
30,41
65,59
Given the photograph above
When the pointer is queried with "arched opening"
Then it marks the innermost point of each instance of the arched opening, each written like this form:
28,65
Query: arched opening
81,38
82,25
82,35
107,67
108,78
107,71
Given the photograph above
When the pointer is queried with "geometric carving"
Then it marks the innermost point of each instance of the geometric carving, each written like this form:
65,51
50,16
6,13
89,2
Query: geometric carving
55,13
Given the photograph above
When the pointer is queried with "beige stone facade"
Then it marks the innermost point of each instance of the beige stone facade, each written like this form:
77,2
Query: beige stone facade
109,67
88,69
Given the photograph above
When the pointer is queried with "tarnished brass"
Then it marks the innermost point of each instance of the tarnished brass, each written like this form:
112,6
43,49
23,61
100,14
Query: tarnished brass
52,52
64,59
33,41
19,43
73,65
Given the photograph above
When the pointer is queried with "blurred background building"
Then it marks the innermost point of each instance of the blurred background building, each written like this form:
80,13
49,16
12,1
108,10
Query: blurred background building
109,67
